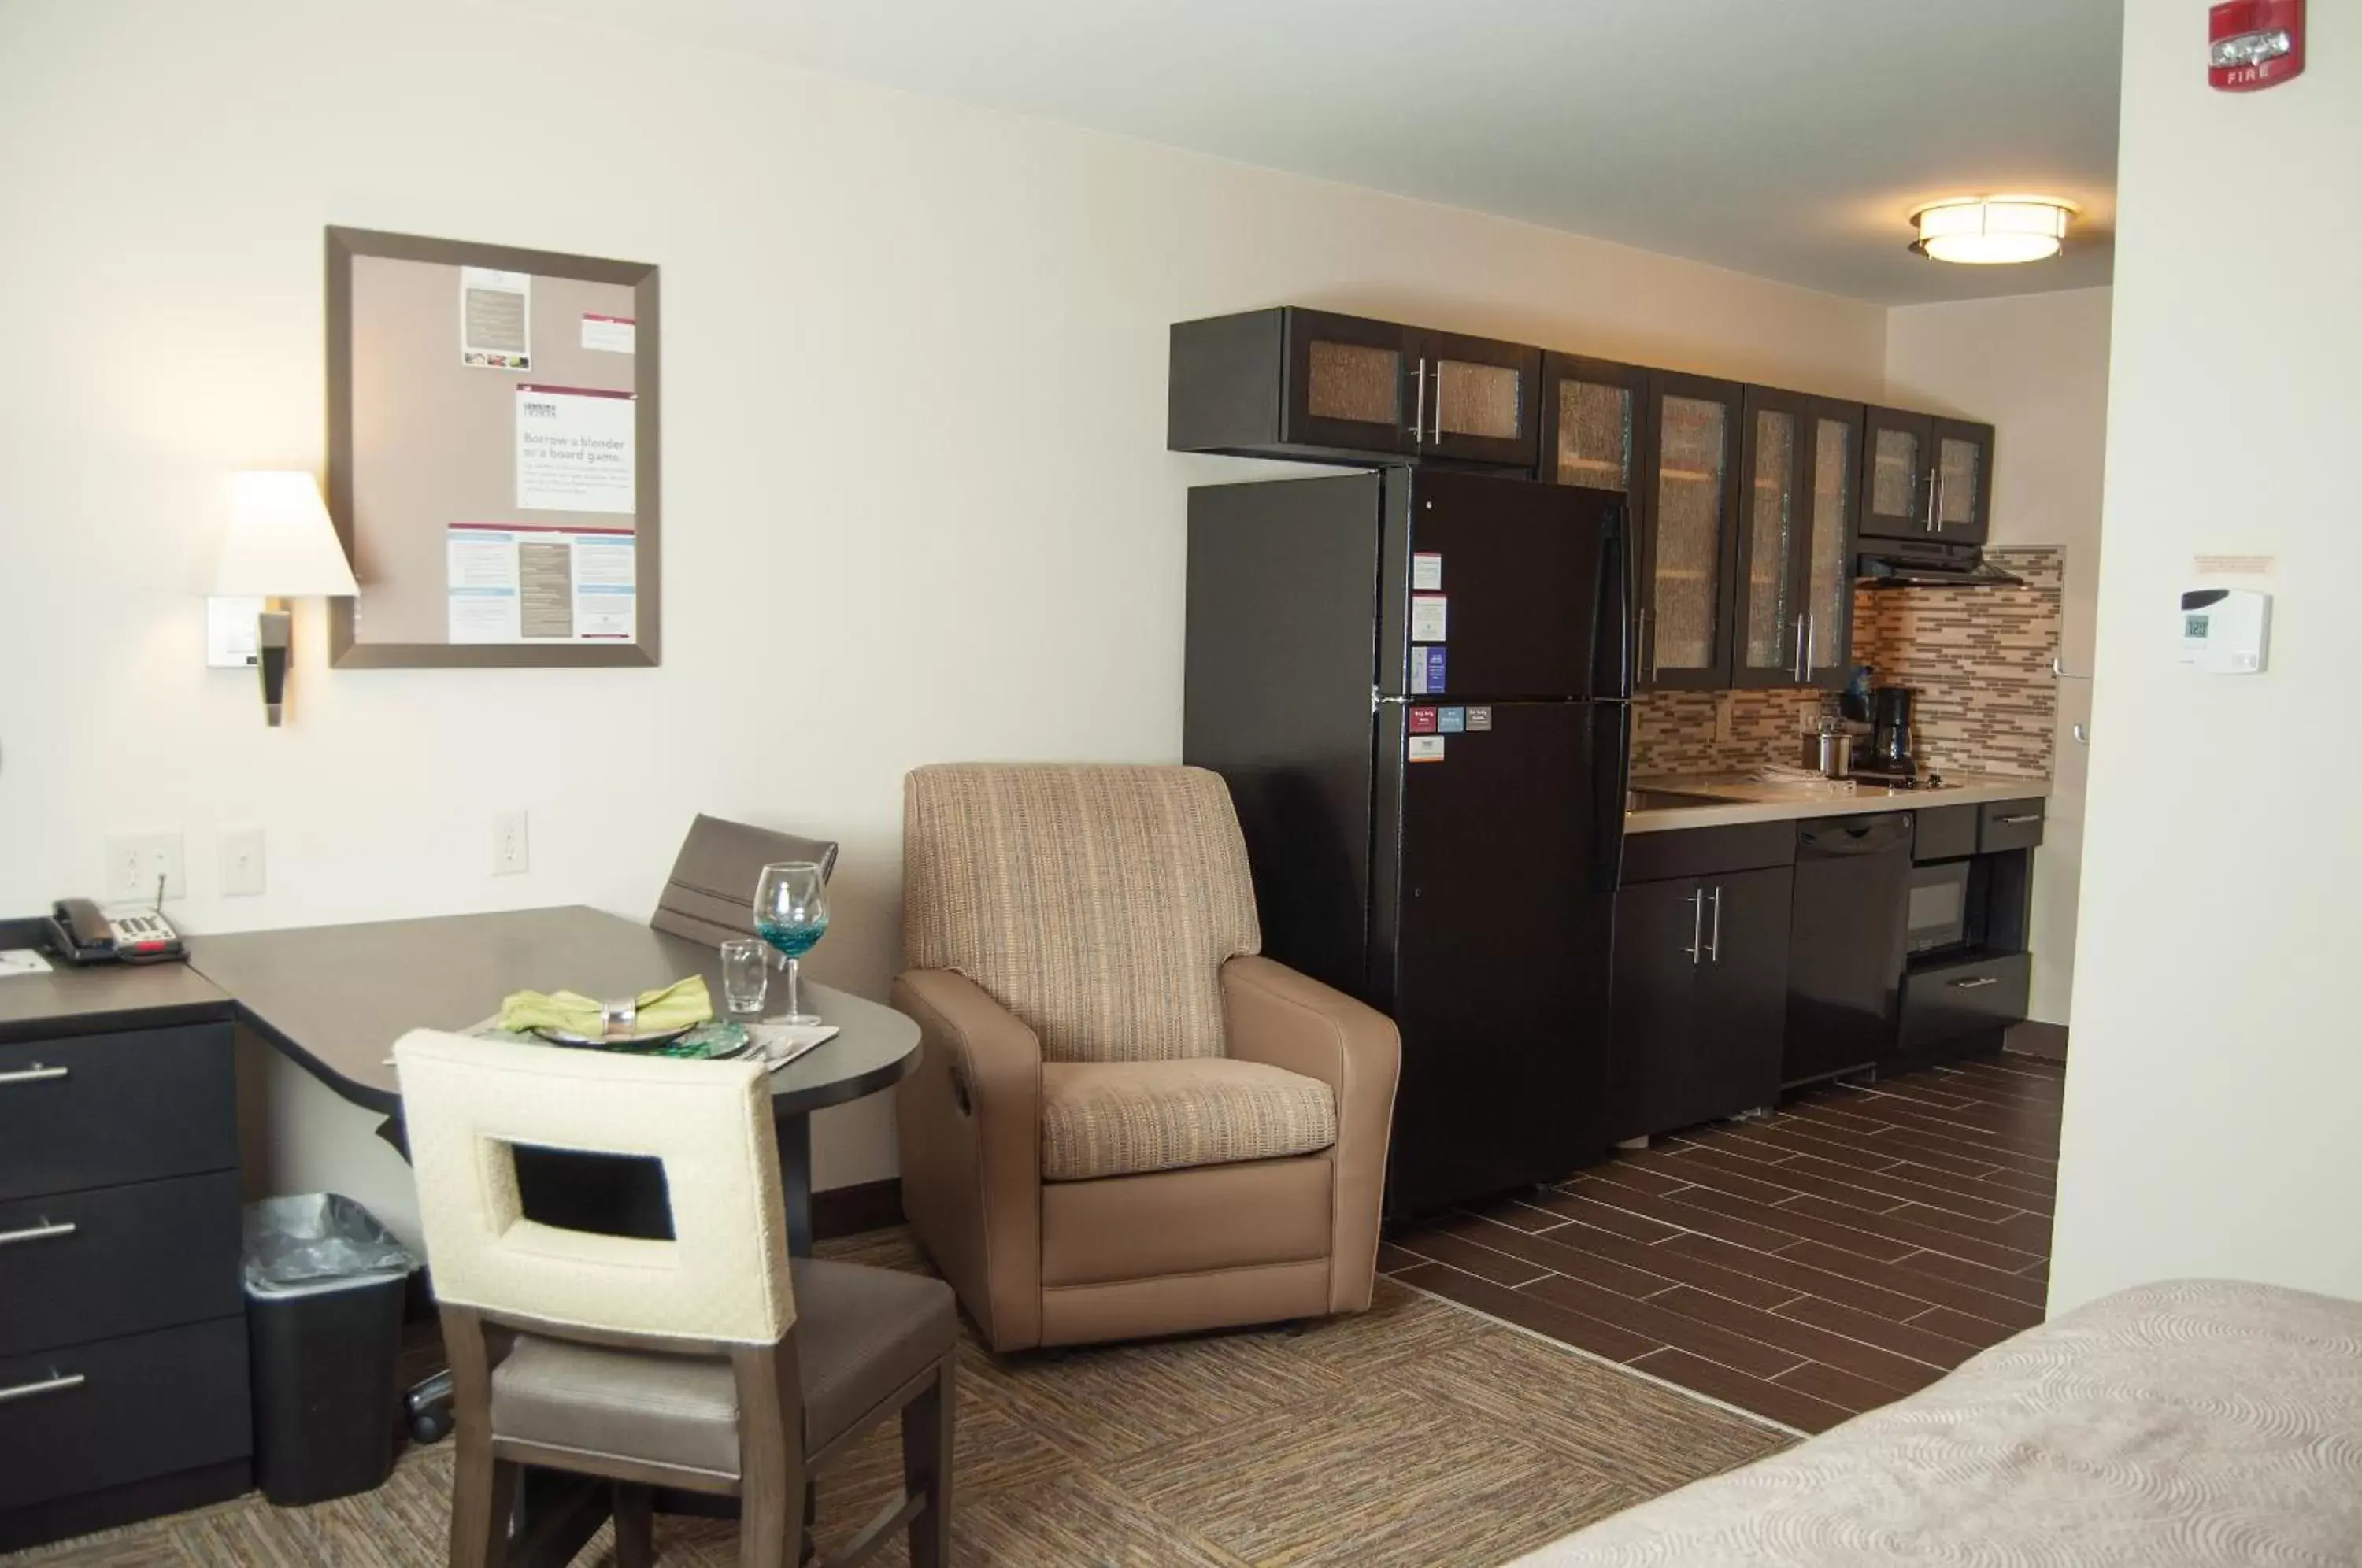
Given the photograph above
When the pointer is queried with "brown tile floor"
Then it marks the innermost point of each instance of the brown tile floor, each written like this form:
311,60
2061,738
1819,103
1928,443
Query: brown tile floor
1853,1247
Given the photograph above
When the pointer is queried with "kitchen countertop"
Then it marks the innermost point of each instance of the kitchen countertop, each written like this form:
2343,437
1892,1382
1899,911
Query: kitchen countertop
1746,798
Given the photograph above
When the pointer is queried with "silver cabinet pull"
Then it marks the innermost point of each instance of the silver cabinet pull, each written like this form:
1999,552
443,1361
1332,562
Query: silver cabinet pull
1930,524
2019,822
1797,666
1937,512
43,1232
1697,925
1714,942
1812,636
1418,408
33,1075
53,1384
1435,436
1980,983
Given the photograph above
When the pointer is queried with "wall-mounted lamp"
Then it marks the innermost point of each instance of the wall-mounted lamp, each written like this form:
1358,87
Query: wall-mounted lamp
281,545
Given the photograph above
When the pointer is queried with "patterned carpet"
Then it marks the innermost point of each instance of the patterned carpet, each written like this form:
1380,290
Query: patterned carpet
1419,1433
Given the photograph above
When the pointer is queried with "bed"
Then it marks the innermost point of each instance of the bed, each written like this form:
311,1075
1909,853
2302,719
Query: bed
2193,1421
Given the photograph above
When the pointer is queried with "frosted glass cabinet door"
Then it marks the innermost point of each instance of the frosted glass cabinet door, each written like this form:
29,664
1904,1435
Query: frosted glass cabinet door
1593,421
1349,384
1963,478
1828,544
1480,397
1898,475
1773,516
1695,426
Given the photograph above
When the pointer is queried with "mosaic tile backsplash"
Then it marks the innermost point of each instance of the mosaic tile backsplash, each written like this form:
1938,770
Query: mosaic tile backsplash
1979,656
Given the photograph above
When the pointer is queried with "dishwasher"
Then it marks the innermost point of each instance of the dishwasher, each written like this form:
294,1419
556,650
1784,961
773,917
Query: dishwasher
1846,939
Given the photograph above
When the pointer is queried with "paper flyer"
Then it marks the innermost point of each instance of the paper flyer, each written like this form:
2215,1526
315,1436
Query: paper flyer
495,318
575,449
610,334
528,583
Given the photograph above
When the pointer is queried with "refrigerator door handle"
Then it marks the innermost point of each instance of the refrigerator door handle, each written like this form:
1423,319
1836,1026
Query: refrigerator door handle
1612,602
1610,766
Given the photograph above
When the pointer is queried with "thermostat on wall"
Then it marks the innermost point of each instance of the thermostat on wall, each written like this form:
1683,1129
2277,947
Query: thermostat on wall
2224,631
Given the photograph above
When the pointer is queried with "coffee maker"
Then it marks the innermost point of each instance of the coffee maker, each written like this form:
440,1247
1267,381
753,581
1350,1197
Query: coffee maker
1890,741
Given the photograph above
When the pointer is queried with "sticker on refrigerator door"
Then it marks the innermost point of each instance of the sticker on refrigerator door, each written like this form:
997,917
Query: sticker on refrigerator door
1450,721
1427,617
1426,748
1479,720
1426,570
1427,672
1422,722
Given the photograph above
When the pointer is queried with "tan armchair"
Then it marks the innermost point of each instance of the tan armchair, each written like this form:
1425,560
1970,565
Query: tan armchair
1124,1121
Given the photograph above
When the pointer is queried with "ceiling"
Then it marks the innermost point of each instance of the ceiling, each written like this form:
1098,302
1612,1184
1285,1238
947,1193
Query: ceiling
1789,140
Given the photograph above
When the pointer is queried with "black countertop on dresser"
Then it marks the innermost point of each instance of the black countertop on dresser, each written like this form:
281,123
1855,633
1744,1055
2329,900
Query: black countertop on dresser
104,997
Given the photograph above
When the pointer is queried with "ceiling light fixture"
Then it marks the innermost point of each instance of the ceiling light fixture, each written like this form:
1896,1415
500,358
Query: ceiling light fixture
1993,230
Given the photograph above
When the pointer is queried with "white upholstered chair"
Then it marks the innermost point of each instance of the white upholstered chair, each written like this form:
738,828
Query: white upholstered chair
708,1361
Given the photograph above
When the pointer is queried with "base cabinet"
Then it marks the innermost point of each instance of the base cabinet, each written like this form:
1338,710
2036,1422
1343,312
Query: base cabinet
1700,999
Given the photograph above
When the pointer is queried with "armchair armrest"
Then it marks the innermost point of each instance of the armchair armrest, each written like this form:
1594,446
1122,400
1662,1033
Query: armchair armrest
968,1120
1273,1015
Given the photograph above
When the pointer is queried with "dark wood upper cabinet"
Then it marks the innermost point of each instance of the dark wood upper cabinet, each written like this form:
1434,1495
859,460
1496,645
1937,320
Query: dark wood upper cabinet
1924,477
1289,382
1793,565
1964,456
1688,474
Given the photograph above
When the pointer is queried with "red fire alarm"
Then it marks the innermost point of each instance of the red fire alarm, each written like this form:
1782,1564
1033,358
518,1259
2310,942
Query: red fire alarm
2254,44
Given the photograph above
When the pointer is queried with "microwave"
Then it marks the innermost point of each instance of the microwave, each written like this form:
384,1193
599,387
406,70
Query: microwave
1937,914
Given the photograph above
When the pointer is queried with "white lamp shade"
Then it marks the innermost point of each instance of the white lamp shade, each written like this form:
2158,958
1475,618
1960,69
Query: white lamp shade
280,544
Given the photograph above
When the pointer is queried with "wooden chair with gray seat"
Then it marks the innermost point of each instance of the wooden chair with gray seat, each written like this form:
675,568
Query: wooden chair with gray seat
708,1362
710,896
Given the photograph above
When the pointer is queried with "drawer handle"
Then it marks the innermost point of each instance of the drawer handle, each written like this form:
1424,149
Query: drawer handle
1977,984
2019,822
33,1075
41,1233
53,1384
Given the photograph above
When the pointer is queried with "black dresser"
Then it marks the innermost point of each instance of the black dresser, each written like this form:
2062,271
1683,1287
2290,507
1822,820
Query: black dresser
123,1353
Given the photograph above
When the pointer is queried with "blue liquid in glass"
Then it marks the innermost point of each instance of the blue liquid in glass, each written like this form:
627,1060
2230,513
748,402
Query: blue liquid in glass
794,938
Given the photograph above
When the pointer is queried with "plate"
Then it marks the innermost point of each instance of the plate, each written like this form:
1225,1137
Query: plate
614,1041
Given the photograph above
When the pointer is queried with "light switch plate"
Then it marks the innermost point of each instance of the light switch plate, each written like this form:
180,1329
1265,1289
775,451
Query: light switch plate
510,850
241,863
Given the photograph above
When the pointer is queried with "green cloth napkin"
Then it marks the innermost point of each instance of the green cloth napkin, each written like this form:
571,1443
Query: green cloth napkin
677,1006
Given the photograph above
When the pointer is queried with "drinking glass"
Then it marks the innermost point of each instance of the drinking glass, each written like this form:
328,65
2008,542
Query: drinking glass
791,915
745,974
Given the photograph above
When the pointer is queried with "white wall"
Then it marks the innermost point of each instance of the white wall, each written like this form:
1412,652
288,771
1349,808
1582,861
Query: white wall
916,504
2213,1090
2035,368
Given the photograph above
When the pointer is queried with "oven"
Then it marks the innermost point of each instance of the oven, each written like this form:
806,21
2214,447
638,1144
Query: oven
1937,912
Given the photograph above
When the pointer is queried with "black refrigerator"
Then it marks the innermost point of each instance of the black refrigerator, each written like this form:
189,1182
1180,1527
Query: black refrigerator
1416,684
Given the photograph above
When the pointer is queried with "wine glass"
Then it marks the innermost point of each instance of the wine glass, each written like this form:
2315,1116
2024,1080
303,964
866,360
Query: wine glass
791,915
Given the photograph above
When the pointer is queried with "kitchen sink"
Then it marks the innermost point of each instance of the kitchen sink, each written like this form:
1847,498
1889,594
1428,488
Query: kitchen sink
1669,800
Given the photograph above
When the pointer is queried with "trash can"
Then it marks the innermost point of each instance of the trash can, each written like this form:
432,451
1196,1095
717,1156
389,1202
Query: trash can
324,1297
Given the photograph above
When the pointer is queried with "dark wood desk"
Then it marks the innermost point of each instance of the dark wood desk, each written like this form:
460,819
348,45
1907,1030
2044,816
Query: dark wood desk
335,997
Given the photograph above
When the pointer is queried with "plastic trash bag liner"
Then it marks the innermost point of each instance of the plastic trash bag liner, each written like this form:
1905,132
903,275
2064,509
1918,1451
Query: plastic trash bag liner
320,1241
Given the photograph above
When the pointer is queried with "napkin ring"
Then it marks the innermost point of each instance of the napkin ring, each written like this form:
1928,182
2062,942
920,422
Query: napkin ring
619,1020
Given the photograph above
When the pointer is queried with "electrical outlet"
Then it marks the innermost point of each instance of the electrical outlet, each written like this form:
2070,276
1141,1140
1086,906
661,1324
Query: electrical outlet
241,863
135,861
510,848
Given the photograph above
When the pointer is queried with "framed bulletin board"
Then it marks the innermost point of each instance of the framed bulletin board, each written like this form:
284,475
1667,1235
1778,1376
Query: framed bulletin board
492,454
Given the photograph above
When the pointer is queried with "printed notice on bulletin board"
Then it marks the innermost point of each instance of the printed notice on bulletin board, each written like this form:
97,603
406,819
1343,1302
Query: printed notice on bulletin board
523,582
574,449
495,319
